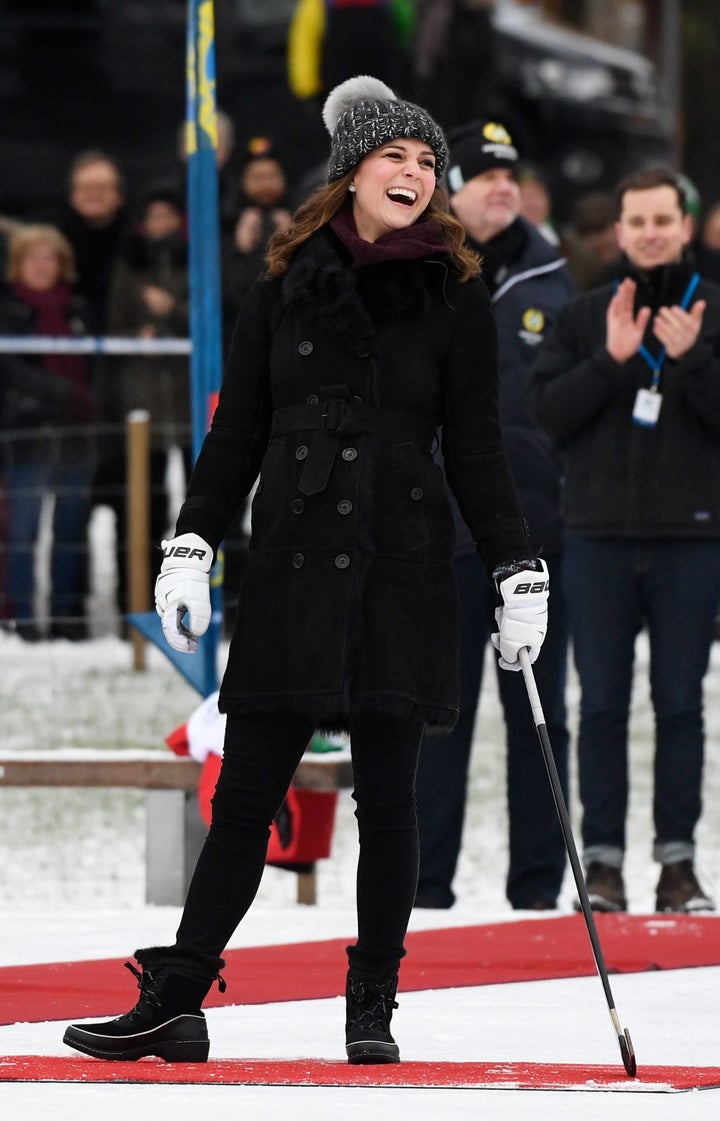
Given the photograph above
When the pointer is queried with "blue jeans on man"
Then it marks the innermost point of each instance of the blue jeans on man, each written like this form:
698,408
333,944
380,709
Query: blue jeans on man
613,588
536,846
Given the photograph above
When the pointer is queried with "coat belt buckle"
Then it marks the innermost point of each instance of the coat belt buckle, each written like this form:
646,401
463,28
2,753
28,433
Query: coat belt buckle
333,415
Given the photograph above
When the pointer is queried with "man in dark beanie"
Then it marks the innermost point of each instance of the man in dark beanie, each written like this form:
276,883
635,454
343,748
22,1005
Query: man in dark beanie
528,283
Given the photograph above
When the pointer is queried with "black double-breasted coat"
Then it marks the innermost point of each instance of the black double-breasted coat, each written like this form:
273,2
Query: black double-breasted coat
335,385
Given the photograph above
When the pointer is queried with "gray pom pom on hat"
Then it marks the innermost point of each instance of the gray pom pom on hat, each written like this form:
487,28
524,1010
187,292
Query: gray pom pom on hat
363,113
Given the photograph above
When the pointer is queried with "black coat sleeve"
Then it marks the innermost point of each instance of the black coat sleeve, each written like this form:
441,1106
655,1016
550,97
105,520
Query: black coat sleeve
231,454
475,462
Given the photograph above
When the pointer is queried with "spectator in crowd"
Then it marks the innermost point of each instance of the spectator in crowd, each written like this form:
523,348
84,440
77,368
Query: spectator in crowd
528,284
536,202
263,211
629,383
590,241
94,220
368,331
46,402
175,179
148,300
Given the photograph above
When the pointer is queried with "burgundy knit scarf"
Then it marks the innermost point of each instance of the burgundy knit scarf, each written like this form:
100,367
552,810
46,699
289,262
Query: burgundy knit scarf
423,239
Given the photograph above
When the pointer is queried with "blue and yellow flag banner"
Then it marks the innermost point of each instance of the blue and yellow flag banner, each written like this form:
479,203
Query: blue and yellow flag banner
201,139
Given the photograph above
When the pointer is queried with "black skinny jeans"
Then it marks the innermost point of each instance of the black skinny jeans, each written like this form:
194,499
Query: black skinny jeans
261,754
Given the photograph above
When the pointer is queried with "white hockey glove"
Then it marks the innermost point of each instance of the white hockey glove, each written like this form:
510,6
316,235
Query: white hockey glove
182,591
522,619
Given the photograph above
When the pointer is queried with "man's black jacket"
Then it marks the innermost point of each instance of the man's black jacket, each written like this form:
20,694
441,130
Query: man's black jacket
624,479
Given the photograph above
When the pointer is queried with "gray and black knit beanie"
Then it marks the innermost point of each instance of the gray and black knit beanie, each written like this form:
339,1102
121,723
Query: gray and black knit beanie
363,113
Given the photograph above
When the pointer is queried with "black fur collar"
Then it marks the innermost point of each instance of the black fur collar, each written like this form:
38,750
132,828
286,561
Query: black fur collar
351,305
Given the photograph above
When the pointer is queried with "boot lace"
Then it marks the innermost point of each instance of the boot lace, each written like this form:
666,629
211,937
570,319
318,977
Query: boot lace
372,1005
148,990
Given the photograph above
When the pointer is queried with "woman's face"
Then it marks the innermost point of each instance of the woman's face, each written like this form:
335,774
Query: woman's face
263,182
393,186
39,267
161,219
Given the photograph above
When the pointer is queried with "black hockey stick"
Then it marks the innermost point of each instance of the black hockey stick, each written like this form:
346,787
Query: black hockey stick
623,1035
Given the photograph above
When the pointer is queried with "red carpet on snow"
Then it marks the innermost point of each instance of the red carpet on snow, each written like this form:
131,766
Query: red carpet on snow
528,950
316,1072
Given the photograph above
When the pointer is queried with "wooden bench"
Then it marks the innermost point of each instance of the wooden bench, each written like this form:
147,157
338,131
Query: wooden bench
174,830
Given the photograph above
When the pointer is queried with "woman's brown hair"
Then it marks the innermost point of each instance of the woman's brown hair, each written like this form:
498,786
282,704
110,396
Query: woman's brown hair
324,203
27,237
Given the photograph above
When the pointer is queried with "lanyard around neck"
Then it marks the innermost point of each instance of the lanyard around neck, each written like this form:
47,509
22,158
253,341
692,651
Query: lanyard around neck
656,362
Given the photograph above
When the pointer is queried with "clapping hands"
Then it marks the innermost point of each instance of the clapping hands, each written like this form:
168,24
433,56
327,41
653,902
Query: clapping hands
676,329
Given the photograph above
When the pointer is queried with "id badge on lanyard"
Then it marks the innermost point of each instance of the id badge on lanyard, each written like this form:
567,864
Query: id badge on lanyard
648,402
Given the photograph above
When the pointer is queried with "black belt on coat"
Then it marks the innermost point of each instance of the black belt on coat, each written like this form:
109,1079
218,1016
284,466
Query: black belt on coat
334,420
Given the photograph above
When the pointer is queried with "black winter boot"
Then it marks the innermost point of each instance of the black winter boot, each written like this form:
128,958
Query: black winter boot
167,1020
367,1027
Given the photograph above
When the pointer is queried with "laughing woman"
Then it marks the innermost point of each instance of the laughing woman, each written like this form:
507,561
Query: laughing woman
369,332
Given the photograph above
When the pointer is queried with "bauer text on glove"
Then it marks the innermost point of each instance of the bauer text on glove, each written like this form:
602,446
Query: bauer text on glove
522,618
182,591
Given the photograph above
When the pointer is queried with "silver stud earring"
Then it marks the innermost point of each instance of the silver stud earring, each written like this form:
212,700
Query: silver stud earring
352,188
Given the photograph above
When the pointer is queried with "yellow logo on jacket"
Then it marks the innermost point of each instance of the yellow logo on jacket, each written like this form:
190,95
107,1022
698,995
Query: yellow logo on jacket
533,323
533,320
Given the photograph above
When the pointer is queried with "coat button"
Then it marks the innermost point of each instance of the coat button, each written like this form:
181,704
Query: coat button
298,560
416,493
344,507
342,560
301,452
305,348
361,353
349,454
313,399
297,506
357,399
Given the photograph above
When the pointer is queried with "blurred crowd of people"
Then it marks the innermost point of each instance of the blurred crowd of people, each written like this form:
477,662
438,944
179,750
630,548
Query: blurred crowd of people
108,259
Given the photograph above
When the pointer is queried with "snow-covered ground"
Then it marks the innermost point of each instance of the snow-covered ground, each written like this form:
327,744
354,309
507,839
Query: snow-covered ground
61,695
72,886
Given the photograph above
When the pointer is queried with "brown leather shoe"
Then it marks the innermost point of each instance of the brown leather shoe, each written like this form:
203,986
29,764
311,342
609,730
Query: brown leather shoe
605,888
678,889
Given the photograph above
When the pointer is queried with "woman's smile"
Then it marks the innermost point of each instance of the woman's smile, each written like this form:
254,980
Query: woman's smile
393,186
